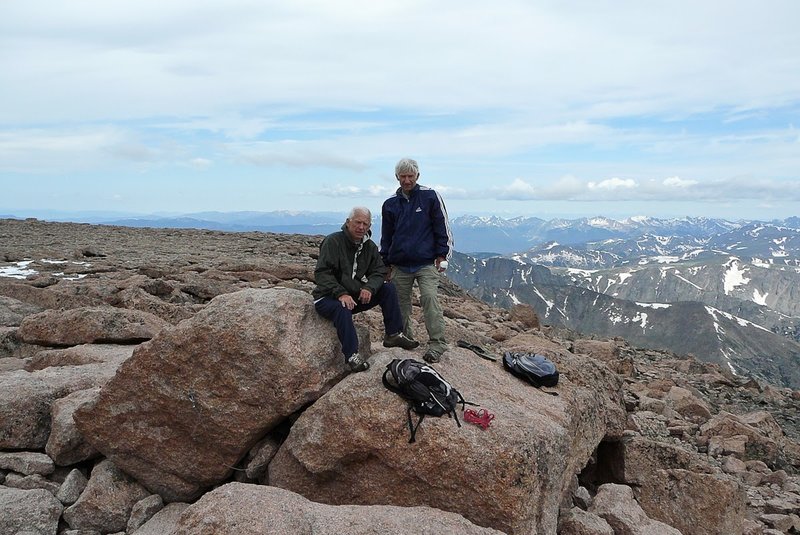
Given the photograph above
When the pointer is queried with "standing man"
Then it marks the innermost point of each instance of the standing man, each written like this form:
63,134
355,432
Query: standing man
351,278
415,240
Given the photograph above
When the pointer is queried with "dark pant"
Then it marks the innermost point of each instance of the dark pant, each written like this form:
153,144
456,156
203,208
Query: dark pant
332,309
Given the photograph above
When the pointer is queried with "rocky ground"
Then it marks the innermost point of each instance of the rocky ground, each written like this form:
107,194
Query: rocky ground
108,330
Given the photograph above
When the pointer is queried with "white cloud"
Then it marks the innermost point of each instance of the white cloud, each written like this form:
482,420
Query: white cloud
678,182
518,189
613,184
200,163
340,190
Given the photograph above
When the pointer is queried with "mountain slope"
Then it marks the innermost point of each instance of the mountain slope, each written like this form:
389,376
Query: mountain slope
685,326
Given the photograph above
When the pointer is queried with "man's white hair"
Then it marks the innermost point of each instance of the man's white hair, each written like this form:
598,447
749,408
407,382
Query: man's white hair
360,210
406,165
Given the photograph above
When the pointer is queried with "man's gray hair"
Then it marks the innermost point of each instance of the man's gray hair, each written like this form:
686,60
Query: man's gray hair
406,165
360,210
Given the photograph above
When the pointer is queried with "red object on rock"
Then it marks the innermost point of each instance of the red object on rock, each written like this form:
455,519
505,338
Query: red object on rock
482,417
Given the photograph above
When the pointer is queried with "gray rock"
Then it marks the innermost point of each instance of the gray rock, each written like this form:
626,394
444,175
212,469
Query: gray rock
27,462
13,311
36,511
88,325
31,482
79,355
107,502
163,522
617,506
241,509
66,444
26,398
143,511
580,522
72,487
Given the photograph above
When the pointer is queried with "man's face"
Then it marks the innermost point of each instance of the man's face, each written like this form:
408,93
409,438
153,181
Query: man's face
358,225
407,179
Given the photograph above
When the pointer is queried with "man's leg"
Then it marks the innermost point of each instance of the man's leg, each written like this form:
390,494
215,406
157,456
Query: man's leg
428,280
332,309
404,283
386,298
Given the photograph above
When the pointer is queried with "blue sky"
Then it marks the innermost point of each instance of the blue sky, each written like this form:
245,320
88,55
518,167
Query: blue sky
547,109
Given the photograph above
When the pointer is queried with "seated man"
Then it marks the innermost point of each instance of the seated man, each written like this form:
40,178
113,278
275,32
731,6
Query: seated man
350,277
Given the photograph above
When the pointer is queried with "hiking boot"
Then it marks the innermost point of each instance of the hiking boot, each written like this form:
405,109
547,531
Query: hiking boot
400,340
357,363
432,356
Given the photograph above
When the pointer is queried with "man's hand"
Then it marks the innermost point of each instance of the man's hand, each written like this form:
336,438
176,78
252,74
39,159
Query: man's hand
438,263
347,301
365,296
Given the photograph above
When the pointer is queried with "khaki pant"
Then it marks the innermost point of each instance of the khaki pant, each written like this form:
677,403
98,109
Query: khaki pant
428,282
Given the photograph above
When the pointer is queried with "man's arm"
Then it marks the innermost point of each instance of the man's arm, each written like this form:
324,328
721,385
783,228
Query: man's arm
442,235
387,231
326,273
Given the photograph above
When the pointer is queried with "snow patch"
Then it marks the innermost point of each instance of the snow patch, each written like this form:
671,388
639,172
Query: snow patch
741,321
688,281
18,270
582,272
693,253
641,317
734,277
654,305
760,299
546,302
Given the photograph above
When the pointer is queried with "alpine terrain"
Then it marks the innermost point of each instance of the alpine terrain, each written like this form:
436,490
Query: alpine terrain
724,292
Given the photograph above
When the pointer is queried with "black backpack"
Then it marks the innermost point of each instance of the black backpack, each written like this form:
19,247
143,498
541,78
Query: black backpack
538,370
426,392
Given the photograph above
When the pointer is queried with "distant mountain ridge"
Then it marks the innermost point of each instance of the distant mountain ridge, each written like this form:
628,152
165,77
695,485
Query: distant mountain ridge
293,222
504,236
488,234
727,293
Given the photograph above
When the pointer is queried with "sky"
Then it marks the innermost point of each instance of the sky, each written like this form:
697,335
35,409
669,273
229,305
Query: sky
545,108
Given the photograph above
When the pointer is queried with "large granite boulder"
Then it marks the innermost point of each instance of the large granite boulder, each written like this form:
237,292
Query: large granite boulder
88,325
26,399
240,509
351,446
189,404
617,506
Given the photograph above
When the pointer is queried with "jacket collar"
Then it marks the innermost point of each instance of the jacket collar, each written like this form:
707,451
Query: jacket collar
401,193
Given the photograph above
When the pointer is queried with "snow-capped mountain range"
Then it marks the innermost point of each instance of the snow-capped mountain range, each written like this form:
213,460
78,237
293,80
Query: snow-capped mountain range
725,292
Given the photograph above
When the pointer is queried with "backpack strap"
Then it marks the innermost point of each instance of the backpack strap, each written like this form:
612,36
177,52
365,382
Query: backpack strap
413,428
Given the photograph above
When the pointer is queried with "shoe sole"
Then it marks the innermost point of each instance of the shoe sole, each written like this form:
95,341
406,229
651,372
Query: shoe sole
413,346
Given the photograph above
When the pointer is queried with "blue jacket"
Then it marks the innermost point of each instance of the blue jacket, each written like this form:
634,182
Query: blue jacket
415,230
